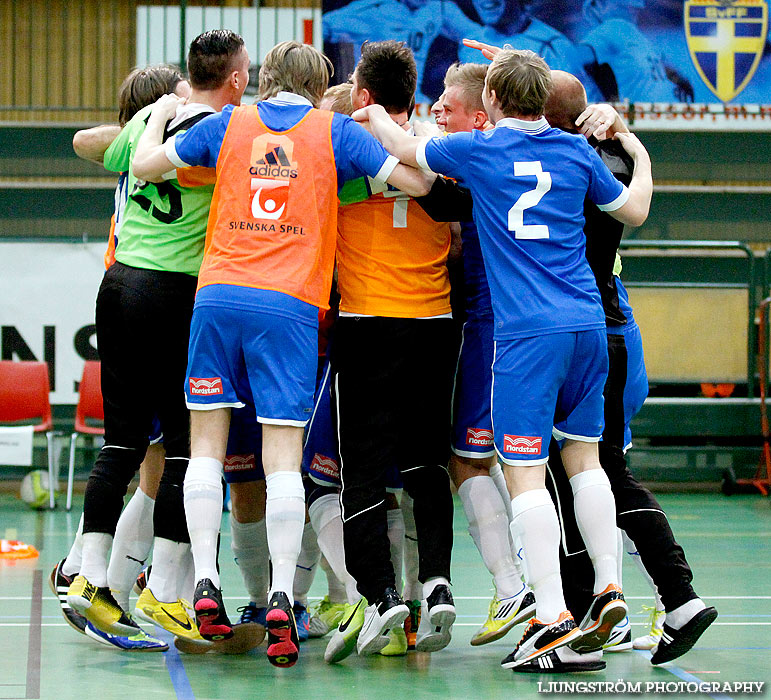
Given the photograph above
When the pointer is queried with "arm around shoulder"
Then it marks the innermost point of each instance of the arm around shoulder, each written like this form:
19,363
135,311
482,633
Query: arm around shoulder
91,144
635,210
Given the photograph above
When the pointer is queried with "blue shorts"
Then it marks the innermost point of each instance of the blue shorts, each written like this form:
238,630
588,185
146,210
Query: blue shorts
156,434
244,451
544,385
253,346
636,389
472,423
321,455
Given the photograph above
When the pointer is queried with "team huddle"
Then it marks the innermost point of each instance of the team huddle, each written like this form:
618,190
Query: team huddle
287,265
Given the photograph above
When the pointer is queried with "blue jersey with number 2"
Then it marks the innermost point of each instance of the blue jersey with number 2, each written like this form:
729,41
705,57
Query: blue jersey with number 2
528,182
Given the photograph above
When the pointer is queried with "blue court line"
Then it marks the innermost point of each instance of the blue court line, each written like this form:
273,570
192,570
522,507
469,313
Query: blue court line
685,676
177,673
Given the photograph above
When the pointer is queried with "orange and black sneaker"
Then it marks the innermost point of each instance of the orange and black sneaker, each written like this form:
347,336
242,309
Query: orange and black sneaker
606,611
411,623
210,615
539,639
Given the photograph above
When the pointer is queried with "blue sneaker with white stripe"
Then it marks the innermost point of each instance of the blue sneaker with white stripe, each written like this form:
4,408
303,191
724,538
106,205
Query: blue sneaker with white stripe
141,641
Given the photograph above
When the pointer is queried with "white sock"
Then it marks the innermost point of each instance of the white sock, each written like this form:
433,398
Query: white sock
95,552
631,550
567,654
336,591
488,525
536,526
433,582
249,544
395,521
285,519
186,576
496,474
595,511
131,546
684,613
327,522
620,556
412,588
305,569
203,510
72,562
168,561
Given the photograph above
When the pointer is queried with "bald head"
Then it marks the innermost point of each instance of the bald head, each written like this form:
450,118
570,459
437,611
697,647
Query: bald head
567,100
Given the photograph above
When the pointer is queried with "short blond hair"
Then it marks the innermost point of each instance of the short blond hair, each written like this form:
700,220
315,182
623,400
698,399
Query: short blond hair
522,82
470,78
294,67
340,98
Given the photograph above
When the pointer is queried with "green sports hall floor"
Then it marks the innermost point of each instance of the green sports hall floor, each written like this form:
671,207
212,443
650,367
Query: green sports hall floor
726,541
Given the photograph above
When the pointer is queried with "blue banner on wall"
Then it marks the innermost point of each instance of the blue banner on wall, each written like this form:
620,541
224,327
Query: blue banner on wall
697,60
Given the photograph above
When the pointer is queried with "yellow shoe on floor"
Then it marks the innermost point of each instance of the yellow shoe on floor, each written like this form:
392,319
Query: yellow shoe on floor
397,643
99,607
503,614
171,616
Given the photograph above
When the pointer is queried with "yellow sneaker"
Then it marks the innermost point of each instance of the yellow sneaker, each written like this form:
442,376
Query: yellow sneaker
171,616
397,643
325,616
656,623
99,607
503,614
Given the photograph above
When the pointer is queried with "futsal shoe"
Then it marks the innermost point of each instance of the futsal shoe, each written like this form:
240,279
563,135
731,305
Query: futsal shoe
620,637
213,622
379,618
99,607
606,611
539,639
173,617
343,641
437,615
60,583
676,642
141,583
325,616
412,623
563,660
397,643
250,613
503,614
302,620
141,641
283,642
656,622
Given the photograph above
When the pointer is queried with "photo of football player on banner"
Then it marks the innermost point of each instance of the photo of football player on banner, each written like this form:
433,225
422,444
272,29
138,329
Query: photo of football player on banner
641,51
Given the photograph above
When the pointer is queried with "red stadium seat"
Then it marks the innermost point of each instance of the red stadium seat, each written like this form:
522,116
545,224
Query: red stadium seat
24,400
90,410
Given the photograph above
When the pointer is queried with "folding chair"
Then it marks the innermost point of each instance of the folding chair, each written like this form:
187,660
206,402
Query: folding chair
90,410
24,400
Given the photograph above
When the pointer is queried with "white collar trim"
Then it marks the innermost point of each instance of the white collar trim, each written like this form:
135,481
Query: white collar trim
524,125
289,98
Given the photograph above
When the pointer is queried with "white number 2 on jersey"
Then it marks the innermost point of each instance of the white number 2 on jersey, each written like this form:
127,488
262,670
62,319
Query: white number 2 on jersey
529,199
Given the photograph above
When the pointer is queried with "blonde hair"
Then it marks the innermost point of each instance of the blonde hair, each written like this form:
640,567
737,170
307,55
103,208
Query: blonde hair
340,98
294,67
522,82
470,78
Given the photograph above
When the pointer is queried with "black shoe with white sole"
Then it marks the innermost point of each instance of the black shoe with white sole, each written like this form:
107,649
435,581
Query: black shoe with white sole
675,643
551,663
386,612
437,615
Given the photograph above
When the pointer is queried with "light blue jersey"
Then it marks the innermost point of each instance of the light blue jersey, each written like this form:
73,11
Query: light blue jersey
634,60
528,182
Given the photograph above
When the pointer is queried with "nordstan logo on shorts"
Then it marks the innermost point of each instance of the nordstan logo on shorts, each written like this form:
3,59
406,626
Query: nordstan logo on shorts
325,465
205,386
240,463
481,437
521,445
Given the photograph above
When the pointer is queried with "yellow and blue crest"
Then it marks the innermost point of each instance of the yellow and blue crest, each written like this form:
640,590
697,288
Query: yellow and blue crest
726,40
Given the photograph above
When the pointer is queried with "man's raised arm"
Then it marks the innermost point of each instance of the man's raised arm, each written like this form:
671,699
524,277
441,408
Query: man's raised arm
634,211
150,160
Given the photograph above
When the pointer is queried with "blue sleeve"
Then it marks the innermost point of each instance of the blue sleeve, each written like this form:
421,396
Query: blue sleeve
604,188
200,144
357,152
448,155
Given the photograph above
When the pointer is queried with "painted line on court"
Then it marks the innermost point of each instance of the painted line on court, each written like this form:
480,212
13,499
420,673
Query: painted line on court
33,645
685,676
173,661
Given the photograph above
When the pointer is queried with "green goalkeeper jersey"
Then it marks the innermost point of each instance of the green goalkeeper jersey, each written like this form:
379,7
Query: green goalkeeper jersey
164,224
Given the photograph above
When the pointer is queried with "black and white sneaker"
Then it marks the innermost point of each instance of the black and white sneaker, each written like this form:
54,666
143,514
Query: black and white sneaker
539,639
385,613
60,583
606,611
437,615
675,643
551,663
